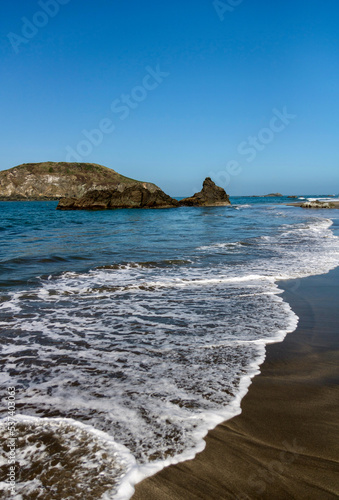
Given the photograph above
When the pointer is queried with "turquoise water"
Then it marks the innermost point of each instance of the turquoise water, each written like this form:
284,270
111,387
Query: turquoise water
129,333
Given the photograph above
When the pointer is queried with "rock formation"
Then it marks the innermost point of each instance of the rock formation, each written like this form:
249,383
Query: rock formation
88,186
52,181
136,196
210,196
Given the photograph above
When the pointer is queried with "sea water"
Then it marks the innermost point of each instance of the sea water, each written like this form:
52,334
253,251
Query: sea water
128,334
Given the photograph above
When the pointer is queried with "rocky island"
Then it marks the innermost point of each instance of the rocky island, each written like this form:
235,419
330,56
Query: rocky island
56,180
88,186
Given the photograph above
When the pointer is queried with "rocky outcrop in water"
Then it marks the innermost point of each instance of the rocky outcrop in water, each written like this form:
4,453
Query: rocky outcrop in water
210,196
52,181
317,204
137,196
88,186
142,196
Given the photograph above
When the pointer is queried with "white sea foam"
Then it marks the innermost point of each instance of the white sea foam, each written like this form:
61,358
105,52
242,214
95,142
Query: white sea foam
329,199
221,245
84,459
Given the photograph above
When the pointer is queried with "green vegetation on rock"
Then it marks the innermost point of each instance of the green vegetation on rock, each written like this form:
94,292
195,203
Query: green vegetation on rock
55,180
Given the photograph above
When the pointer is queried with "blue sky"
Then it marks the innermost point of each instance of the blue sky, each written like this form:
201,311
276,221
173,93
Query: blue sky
172,92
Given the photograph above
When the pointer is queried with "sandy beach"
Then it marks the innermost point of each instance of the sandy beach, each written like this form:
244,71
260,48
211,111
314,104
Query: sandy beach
284,445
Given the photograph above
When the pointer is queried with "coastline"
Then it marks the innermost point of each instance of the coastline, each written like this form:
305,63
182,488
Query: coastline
284,443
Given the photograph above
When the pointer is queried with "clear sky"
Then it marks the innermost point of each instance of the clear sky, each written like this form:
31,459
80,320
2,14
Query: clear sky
244,91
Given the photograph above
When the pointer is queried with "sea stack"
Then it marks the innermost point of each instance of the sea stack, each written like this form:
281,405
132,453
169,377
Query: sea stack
211,195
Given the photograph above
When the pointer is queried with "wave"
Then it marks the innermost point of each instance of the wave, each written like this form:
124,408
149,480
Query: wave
32,259
222,245
147,265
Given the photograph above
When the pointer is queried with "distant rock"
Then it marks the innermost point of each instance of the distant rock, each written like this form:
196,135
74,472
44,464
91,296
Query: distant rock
137,196
317,204
210,196
293,197
273,195
52,181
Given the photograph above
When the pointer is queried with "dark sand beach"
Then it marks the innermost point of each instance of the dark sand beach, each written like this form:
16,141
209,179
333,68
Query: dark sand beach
285,444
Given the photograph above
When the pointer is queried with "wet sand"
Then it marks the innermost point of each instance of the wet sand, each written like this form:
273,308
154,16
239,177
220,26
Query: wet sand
285,443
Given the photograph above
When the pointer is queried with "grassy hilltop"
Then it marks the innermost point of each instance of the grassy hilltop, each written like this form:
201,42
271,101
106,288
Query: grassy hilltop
55,180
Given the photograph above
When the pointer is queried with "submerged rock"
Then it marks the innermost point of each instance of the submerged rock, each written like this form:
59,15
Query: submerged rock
210,196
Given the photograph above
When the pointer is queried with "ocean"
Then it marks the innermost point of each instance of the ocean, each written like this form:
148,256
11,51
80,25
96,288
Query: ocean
127,334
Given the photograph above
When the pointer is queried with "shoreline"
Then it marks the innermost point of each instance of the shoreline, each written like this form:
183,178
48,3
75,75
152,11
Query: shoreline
284,443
